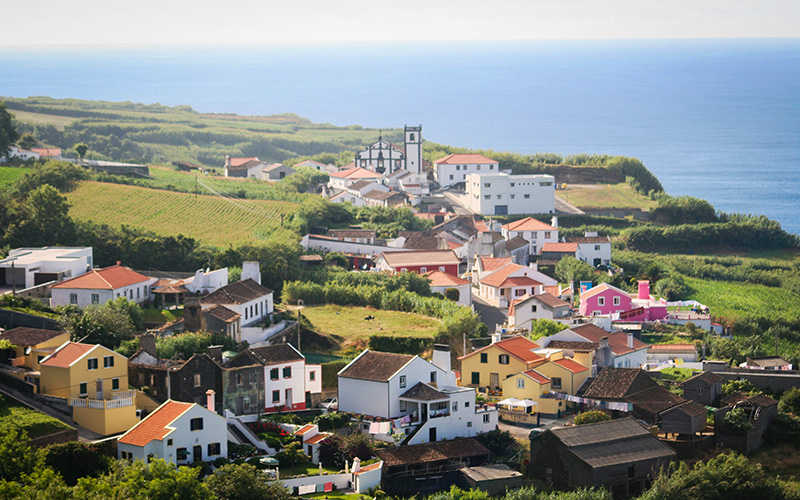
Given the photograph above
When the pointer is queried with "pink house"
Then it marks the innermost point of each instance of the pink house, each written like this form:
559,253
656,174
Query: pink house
608,299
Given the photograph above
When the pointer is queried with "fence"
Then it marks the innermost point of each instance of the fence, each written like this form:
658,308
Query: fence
12,319
101,404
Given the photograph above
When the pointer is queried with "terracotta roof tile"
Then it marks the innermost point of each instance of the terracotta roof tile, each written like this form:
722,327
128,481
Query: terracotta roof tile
156,425
238,161
493,263
459,159
618,341
432,258
27,337
520,347
375,366
67,354
537,376
560,247
529,224
497,277
440,278
669,348
570,365
424,392
109,278
355,173
367,468
304,429
572,345
316,438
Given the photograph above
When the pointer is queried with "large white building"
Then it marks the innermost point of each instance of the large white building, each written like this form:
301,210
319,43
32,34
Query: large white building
180,433
411,398
27,267
385,158
454,168
504,194
99,286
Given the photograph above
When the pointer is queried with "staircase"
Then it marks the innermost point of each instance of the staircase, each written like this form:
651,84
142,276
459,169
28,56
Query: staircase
240,436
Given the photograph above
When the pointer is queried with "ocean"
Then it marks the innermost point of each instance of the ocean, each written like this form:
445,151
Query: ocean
715,119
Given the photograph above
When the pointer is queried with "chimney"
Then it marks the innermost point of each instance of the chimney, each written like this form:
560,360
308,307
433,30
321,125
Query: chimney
644,290
356,465
554,221
590,234
147,343
441,356
192,322
227,161
210,404
199,280
630,340
250,270
497,337
215,352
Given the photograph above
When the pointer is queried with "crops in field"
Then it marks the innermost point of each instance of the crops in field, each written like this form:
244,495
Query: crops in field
211,220
605,196
9,175
742,300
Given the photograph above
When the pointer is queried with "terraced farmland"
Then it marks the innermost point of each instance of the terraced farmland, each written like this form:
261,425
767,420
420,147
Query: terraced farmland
211,220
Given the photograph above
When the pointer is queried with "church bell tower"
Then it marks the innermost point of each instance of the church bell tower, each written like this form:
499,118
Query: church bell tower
413,141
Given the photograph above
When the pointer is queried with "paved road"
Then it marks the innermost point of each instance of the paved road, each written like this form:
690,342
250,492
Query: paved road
562,207
490,315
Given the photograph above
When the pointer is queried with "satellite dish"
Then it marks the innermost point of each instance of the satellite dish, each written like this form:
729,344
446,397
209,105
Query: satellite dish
27,350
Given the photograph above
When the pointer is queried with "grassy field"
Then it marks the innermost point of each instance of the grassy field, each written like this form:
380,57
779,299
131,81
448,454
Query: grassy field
158,315
9,175
36,424
605,196
211,220
349,322
732,300
166,178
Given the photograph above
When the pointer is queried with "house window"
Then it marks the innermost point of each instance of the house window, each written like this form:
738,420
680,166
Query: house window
466,404
312,376
484,357
520,383
486,418
526,196
73,298
545,183
547,234
616,301
487,197
512,196
91,364
478,167
182,453
433,377
469,424
597,247
108,361
423,269
213,449
196,424
451,177
455,405
273,374
519,292
533,308
114,384
287,372
83,389
555,382
499,196
512,184
503,358
239,379
403,406
699,391
601,301
402,381
491,167
476,378
169,442
197,380
137,292
442,269
487,184
95,298
276,396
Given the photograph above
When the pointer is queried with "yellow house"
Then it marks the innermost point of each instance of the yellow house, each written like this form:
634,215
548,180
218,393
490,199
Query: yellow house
94,380
532,385
566,375
31,345
489,366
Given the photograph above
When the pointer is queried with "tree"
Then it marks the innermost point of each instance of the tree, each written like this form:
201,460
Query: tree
74,460
27,141
102,324
43,219
244,482
545,327
570,269
590,417
8,133
452,294
157,480
81,148
736,422
19,458
790,402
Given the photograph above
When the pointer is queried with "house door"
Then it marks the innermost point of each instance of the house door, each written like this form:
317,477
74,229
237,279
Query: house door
239,405
99,389
597,262
197,453
432,434
288,401
494,380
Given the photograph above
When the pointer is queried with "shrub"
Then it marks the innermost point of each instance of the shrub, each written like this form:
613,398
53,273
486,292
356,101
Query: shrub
790,402
332,421
292,455
590,417
736,422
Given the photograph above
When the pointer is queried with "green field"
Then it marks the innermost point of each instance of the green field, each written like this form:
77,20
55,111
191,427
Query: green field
209,219
605,196
36,424
733,300
349,322
9,175
172,180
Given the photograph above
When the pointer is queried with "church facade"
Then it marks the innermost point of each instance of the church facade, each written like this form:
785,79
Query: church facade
384,158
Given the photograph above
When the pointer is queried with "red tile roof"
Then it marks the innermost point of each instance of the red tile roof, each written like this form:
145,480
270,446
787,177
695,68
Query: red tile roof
670,348
316,438
560,247
493,263
430,258
367,468
537,377
570,365
109,278
518,281
439,278
304,429
528,224
618,341
520,347
499,276
355,173
235,162
67,354
459,159
156,425
47,151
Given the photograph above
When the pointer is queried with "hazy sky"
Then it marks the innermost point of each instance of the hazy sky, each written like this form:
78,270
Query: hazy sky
103,22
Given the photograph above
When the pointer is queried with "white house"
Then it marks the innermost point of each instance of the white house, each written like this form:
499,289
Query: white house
330,244
177,432
522,312
276,172
454,168
311,438
207,281
22,154
27,267
536,232
510,282
249,167
246,297
363,187
504,194
441,281
411,399
344,178
627,351
593,249
287,377
348,197
99,286
321,167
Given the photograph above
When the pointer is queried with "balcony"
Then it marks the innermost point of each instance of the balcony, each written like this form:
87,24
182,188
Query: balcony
102,404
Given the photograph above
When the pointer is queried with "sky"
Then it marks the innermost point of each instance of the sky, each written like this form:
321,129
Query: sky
117,22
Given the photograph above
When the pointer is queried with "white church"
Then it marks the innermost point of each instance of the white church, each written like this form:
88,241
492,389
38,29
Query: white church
385,158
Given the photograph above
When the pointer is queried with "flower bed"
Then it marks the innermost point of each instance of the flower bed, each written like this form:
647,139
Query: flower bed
271,433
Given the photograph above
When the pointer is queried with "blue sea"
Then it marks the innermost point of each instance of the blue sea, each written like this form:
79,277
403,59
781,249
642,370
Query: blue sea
715,119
